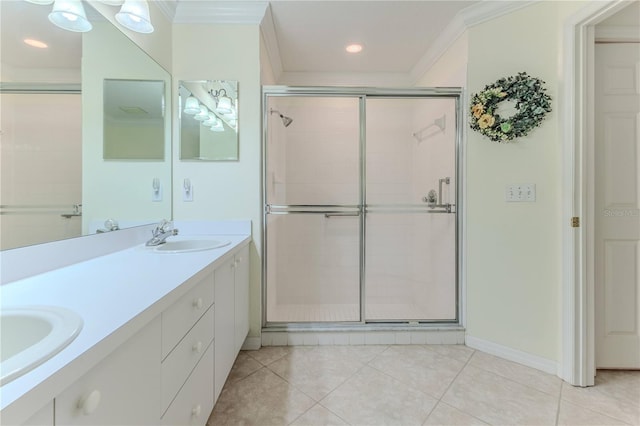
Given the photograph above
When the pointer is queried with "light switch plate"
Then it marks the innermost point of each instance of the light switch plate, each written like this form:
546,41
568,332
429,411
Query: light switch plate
522,192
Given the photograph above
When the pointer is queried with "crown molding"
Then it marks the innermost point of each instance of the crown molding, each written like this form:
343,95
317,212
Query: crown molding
218,12
465,19
167,7
271,43
259,12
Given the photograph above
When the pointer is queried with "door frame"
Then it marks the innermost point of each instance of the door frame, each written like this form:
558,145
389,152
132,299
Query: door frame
577,365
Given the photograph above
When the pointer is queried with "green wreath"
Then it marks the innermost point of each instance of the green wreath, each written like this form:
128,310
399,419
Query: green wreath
532,104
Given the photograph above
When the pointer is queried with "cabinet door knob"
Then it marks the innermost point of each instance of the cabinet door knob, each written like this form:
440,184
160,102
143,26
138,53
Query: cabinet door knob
197,347
195,411
89,403
198,303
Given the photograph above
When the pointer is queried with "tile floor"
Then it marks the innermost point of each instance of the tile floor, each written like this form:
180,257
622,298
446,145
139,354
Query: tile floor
412,385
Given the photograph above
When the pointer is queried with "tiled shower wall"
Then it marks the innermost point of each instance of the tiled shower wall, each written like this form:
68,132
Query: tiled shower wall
41,165
316,161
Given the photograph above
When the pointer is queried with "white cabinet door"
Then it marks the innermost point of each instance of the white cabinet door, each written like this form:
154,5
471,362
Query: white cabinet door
224,313
44,417
123,389
241,297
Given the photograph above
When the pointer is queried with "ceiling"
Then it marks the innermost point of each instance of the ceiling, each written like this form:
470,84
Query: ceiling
307,36
312,35
400,38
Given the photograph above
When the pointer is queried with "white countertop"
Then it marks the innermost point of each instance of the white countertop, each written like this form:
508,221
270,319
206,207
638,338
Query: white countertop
116,295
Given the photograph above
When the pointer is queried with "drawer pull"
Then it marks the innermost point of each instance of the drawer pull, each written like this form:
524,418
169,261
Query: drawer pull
197,347
198,303
195,411
88,404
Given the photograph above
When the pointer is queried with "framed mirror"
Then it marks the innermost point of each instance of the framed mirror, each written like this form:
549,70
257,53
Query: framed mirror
133,122
208,116
56,183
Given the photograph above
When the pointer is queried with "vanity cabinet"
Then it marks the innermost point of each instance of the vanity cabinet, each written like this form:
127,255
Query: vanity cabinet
172,371
187,347
124,388
44,417
224,345
231,313
241,280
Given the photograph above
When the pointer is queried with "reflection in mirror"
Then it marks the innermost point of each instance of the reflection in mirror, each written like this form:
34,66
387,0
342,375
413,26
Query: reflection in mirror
55,182
133,120
208,120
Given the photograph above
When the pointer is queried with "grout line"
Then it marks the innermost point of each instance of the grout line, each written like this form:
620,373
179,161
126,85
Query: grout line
559,402
457,375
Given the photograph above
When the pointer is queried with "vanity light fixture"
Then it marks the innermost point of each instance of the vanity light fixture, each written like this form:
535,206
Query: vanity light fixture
203,114
211,121
191,105
224,105
231,115
224,102
70,15
218,127
134,15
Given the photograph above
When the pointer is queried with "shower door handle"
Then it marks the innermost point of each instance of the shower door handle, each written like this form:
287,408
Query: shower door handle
342,214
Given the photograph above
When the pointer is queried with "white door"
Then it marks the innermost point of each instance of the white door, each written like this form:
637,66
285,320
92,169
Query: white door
617,205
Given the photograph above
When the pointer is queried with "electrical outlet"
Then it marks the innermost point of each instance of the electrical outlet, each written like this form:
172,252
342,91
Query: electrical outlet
187,190
524,192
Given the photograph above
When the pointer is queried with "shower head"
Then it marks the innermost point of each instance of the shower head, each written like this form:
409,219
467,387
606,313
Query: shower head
285,120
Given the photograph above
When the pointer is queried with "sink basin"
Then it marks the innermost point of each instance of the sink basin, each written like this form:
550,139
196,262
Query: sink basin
31,335
188,245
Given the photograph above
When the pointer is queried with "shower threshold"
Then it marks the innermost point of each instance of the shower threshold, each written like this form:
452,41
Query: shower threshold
318,313
363,334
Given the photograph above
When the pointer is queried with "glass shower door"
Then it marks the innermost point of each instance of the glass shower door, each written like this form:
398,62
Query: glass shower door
313,221
410,238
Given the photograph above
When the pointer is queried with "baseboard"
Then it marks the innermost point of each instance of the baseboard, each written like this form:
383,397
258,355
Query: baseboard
524,358
252,344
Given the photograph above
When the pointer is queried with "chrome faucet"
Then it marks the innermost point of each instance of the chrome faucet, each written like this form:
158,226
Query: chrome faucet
161,232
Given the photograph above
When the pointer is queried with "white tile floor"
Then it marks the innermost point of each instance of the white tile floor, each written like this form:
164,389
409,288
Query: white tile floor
413,385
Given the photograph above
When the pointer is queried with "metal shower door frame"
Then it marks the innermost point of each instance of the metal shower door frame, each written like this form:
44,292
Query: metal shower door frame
362,93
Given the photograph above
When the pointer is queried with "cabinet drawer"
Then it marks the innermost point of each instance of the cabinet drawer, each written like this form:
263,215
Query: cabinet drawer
182,315
194,402
181,361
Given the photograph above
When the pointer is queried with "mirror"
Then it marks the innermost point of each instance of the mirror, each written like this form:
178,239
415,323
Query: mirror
208,117
133,119
55,180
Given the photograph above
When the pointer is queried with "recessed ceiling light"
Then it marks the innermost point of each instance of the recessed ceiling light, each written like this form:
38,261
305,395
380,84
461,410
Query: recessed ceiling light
35,43
354,48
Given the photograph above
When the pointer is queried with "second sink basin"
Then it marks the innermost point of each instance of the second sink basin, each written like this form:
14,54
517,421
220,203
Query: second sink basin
31,335
189,245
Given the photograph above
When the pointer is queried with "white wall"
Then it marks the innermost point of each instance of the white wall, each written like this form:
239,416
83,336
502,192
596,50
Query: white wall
450,70
514,249
230,189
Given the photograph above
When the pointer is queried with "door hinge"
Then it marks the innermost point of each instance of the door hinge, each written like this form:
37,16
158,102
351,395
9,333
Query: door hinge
575,222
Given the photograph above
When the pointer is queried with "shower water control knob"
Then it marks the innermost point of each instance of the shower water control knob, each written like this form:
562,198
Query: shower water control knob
431,198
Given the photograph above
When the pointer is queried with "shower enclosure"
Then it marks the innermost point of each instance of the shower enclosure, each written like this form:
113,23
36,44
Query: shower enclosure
361,206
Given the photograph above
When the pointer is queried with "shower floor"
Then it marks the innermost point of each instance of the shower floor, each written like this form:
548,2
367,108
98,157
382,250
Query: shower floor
346,312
